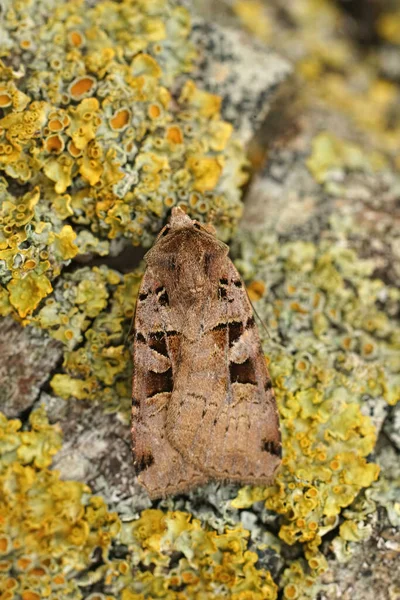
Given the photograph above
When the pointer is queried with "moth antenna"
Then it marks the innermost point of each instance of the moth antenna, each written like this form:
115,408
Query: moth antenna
257,315
129,330
260,320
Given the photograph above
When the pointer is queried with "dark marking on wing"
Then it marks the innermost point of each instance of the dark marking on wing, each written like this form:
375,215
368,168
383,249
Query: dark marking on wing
238,283
171,333
235,331
143,296
208,258
162,296
250,323
272,447
242,372
221,293
156,335
140,337
268,385
172,262
158,383
157,342
220,326
135,402
144,462
223,281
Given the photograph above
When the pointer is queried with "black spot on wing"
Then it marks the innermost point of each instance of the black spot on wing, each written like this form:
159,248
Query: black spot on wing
157,342
235,331
140,337
143,296
162,296
242,372
135,402
223,281
272,447
143,462
238,283
250,323
158,383
268,385
222,293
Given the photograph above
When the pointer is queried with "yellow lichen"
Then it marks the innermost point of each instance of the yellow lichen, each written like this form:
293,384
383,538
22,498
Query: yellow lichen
61,524
206,172
27,292
64,128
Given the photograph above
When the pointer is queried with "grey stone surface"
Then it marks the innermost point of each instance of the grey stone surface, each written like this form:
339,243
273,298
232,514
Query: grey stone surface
27,358
248,75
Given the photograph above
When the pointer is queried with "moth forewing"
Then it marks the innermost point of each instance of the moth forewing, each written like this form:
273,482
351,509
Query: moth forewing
203,404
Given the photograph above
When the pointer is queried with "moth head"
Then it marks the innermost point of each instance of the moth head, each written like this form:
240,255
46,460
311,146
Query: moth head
181,222
188,250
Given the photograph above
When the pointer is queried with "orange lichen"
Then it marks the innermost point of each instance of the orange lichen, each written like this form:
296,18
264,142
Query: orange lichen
206,172
120,119
55,125
154,111
82,87
54,144
145,65
73,150
256,290
174,135
207,104
76,38
26,293
5,99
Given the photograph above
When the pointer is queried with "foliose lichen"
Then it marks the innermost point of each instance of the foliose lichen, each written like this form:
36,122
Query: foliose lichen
96,143
57,539
334,339
91,313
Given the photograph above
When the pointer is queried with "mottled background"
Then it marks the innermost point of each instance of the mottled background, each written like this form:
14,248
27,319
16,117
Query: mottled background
279,121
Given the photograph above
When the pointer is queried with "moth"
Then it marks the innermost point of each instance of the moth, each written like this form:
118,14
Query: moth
203,406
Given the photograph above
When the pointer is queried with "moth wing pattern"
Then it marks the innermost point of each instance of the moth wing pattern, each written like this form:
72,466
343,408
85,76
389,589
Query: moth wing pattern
161,469
222,414
203,405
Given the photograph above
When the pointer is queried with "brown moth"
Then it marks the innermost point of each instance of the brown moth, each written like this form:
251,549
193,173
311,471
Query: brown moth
203,407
